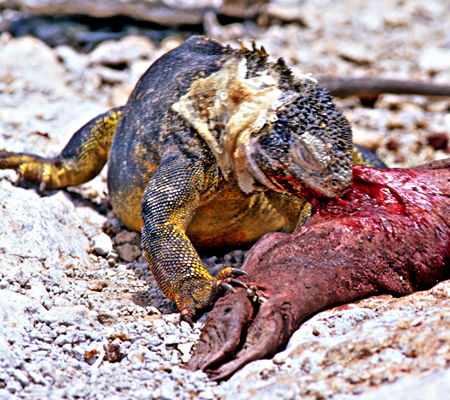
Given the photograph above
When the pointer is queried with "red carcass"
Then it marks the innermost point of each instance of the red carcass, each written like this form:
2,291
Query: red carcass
390,233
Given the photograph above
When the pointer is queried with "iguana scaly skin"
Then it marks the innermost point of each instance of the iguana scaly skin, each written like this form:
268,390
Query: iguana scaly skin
214,147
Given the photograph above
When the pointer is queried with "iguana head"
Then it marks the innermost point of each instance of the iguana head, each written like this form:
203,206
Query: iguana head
269,127
307,146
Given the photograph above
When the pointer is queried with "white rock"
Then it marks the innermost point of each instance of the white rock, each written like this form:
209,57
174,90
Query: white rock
123,51
61,301
102,244
185,348
58,119
167,388
42,228
38,291
41,72
435,59
173,318
72,315
21,377
109,75
73,61
16,309
170,339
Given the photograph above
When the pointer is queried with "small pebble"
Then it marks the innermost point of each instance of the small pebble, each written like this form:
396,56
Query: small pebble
438,140
102,244
129,252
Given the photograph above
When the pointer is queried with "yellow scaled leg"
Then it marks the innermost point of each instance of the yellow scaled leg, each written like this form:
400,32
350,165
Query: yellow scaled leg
80,161
169,203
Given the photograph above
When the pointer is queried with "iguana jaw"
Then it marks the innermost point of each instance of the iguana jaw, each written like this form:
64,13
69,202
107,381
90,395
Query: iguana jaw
253,169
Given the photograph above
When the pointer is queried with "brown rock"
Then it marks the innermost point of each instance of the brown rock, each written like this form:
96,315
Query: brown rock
107,317
127,237
392,144
438,140
97,286
129,252
113,352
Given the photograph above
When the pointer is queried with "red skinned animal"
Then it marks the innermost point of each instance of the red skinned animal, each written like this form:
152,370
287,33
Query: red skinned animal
389,234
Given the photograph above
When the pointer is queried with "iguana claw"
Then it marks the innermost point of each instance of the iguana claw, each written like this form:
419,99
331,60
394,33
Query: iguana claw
227,286
199,295
229,272
237,272
237,283
186,318
225,279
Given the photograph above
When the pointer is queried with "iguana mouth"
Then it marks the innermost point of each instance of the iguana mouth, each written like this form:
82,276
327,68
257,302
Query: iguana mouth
334,187
254,147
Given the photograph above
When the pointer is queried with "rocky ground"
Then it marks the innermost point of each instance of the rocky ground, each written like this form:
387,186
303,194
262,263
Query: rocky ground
81,316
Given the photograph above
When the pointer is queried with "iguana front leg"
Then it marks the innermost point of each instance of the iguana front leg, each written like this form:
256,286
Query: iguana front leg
169,204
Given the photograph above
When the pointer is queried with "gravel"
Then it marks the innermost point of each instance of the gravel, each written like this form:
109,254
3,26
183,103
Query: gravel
62,352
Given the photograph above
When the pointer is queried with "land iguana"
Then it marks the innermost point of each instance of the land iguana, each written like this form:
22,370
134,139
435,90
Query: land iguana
214,148
390,233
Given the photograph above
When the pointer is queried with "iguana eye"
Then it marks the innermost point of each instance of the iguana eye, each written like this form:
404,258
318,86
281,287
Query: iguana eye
334,183
303,158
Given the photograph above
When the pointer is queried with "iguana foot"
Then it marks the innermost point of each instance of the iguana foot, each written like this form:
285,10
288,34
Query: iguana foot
205,293
29,167
230,272
225,279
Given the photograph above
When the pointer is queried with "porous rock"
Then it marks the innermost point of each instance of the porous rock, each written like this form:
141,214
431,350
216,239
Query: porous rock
129,252
432,386
69,315
127,237
44,229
